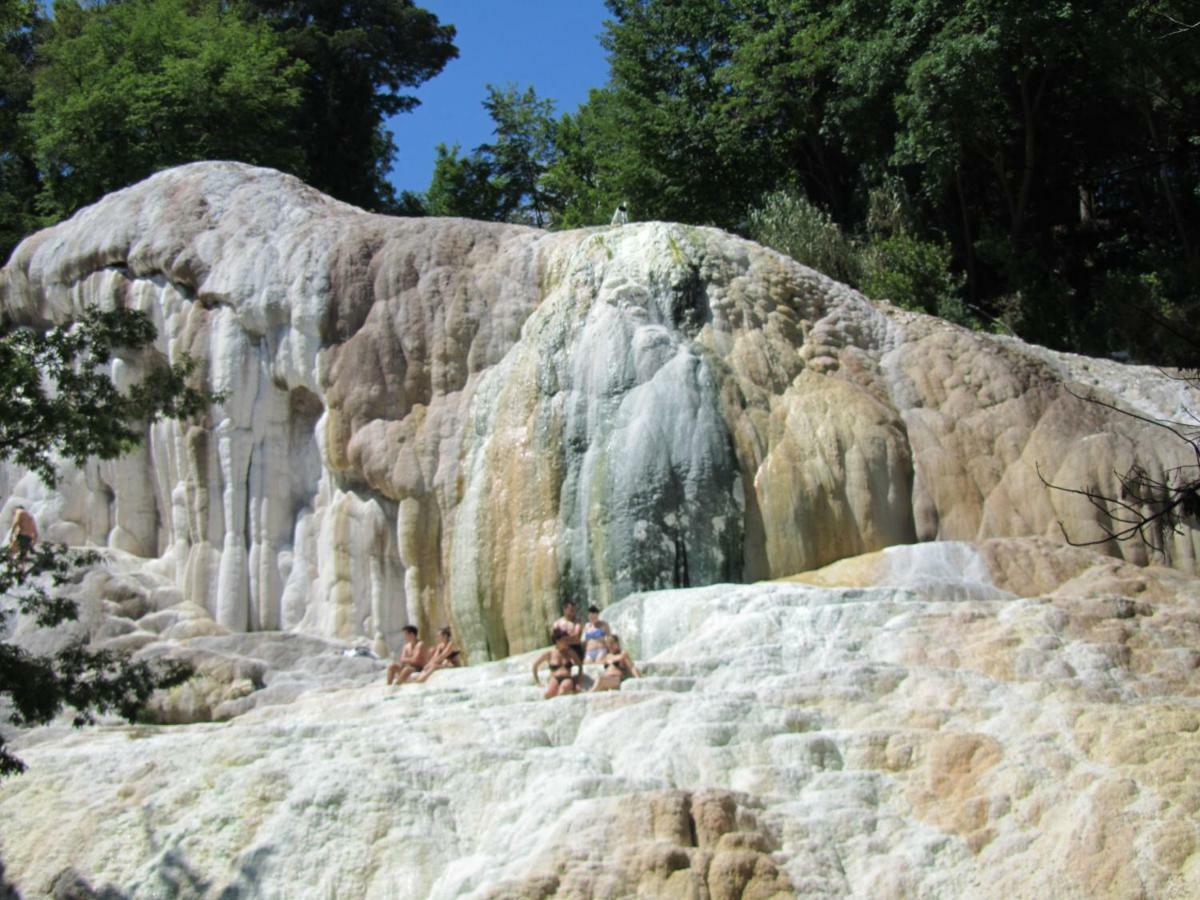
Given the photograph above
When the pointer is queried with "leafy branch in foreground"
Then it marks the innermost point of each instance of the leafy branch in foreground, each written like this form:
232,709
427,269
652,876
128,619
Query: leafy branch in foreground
57,401
56,397
1147,507
87,680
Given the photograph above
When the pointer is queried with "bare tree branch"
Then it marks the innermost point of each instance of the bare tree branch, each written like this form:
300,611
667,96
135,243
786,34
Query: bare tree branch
1170,426
1182,28
1148,507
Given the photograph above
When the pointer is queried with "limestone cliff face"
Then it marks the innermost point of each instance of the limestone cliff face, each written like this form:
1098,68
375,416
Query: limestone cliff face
440,420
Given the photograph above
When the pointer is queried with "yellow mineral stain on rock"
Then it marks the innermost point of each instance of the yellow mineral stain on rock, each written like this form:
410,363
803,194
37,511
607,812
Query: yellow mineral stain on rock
946,786
864,570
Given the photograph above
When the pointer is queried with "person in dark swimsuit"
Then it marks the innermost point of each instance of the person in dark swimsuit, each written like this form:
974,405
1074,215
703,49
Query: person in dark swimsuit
445,656
618,665
561,659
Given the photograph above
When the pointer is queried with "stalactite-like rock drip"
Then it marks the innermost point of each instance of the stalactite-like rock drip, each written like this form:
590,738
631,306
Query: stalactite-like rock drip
441,421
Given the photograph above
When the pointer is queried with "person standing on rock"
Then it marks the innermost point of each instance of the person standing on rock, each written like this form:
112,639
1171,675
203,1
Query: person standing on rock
561,657
573,630
444,656
413,658
23,534
594,632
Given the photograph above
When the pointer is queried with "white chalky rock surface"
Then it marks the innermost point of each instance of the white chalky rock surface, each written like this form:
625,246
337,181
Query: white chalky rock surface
439,421
1009,719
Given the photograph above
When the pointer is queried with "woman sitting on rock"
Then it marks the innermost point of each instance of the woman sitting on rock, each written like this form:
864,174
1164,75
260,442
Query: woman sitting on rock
561,658
618,665
445,656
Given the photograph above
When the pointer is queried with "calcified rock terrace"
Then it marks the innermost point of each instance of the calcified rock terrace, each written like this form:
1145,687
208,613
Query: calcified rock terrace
1010,719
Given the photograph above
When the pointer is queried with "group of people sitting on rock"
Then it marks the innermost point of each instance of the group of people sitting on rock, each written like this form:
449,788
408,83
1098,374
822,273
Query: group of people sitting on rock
575,644
421,661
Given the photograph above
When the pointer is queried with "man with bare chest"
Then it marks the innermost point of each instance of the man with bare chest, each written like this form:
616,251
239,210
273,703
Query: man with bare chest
572,629
23,534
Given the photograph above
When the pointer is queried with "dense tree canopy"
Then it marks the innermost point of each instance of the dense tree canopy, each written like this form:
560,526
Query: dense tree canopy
127,88
1050,151
359,56
99,95
21,25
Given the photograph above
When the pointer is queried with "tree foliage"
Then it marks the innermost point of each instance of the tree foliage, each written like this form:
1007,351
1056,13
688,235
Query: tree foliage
657,135
79,677
127,88
503,180
1049,149
789,222
462,186
58,401
359,56
124,88
22,27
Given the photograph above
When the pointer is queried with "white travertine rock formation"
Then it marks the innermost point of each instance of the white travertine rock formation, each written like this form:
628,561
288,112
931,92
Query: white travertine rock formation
442,421
1014,718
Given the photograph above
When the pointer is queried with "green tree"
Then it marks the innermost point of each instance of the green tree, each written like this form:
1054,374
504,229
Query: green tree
789,222
56,401
22,27
504,180
463,186
126,88
581,176
887,262
656,135
1049,147
523,150
359,56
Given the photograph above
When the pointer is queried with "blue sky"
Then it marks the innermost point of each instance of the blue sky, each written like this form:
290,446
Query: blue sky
550,44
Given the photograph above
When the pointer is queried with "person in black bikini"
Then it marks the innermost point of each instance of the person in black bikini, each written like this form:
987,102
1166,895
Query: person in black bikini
561,658
618,665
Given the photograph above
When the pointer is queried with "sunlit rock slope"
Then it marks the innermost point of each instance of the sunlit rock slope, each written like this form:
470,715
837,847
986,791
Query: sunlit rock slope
443,421
1014,719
